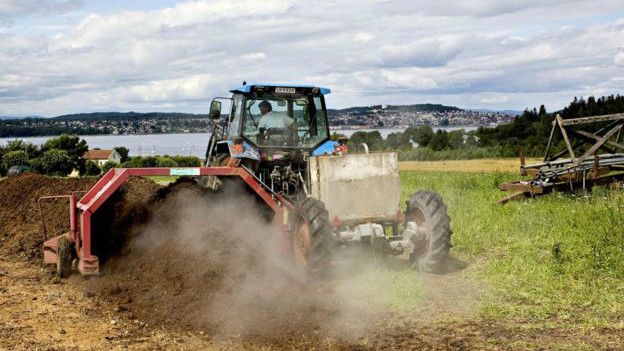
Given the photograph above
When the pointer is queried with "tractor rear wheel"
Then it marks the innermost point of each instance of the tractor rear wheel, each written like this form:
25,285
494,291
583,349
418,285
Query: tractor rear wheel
312,237
64,257
432,247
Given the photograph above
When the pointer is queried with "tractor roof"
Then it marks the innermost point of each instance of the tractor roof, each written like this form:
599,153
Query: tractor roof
245,89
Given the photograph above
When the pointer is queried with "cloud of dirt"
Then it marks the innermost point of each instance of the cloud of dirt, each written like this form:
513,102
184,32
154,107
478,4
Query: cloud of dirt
211,262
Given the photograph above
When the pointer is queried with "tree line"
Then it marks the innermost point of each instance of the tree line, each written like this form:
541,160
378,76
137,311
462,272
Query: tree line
63,155
527,134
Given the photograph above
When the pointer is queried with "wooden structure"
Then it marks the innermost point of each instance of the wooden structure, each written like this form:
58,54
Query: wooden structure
574,166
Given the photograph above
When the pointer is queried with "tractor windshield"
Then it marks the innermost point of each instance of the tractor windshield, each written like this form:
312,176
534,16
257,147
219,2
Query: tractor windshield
285,121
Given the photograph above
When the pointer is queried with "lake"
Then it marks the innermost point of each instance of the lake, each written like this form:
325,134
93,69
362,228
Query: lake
174,144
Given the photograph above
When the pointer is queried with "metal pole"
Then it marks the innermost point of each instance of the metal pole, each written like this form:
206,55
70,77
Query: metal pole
72,218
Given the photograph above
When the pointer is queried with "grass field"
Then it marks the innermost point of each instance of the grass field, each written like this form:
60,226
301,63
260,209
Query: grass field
546,273
552,262
489,165
550,269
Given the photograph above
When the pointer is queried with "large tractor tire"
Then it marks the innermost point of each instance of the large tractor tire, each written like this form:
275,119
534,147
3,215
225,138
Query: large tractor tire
64,257
312,242
432,248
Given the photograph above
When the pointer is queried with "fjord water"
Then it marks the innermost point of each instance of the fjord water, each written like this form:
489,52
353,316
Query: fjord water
173,144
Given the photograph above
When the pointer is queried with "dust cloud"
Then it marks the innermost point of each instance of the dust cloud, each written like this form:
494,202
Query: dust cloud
211,262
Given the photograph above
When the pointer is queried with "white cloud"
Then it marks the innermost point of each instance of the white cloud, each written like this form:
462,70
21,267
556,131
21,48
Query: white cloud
618,59
421,53
363,37
189,88
254,56
12,9
465,53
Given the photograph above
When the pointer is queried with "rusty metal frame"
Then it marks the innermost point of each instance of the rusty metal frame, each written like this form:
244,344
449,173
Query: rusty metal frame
88,264
72,213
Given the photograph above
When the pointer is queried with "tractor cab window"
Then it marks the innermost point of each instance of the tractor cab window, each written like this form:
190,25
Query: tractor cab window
285,121
235,116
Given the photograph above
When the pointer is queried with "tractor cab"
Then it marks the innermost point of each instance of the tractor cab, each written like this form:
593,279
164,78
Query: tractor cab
271,129
279,117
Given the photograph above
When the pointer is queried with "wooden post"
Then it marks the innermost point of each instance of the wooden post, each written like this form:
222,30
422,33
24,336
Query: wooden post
550,138
592,150
596,166
565,137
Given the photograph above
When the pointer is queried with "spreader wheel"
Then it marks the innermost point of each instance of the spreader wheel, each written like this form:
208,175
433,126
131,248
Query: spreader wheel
64,257
432,246
312,236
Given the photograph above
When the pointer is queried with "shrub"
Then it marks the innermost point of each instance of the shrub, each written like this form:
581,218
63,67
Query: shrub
373,139
20,145
15,158
165,161
149,161
72,145
123,152
138,162
421,135
55,162
92,168
187,161
108,165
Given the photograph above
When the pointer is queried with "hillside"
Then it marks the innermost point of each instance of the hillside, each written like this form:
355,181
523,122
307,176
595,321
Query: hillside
375,116
99,116
106,123
396,108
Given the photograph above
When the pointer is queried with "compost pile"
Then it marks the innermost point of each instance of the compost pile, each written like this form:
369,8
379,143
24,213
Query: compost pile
20,221
185,258
209,262
20,225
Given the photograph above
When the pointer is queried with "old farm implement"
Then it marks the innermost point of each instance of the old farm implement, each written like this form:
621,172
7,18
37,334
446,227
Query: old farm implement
588,158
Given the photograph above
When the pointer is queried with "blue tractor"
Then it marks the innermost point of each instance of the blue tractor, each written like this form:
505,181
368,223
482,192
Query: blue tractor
279,134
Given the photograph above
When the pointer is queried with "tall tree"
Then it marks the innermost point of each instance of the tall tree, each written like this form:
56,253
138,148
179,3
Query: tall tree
72,145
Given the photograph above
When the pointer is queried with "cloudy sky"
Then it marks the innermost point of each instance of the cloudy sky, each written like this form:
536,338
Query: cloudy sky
65,56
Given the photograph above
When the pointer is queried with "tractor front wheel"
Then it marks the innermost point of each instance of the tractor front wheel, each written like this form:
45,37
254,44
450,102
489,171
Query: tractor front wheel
64,257
312,236
432,246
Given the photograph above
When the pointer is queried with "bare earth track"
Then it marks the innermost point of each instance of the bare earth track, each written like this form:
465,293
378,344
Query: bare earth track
160,289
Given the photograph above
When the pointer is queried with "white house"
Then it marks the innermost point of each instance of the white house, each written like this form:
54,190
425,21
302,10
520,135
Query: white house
102,156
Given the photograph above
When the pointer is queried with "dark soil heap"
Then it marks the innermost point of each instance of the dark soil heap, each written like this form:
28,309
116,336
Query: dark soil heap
207,262
21,233
183,258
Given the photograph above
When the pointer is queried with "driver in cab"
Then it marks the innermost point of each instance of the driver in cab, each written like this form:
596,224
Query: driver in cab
274,122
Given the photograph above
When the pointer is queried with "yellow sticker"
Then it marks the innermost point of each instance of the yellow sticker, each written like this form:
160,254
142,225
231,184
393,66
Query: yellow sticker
285,216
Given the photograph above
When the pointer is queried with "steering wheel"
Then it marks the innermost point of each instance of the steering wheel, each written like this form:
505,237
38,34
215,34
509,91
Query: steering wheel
305,137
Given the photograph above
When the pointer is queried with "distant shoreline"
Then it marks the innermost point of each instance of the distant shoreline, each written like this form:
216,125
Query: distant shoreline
331,129
183,144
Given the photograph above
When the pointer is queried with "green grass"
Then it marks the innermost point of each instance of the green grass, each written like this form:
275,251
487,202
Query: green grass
163,180
556,260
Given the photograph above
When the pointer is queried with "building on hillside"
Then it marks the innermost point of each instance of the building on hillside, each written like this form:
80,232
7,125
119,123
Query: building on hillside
102,156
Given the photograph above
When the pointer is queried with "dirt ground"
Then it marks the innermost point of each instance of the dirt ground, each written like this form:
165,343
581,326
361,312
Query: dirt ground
165,286
39,312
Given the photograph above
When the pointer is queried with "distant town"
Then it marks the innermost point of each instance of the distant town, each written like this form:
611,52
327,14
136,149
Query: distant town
404,116
389,116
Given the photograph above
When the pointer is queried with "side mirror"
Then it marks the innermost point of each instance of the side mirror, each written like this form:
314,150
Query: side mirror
215,109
